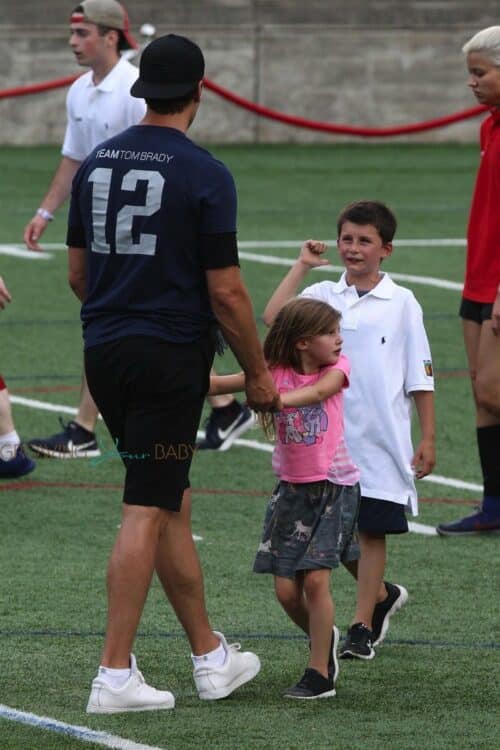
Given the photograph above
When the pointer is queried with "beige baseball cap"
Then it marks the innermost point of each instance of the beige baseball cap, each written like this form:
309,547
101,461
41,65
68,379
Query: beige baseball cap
105,13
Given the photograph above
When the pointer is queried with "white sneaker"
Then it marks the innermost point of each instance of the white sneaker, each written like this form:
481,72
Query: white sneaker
213,683
135,695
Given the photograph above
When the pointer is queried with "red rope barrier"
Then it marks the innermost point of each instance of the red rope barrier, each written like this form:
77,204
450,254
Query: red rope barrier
272,114
38,88
326,127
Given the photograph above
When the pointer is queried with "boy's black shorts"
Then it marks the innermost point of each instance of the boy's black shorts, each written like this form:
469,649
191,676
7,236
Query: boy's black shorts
478,312
381,517
150,393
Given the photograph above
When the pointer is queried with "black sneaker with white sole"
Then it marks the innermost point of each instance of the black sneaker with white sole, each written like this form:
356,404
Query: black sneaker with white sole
224,425
358,643
73,442
311,685
397,596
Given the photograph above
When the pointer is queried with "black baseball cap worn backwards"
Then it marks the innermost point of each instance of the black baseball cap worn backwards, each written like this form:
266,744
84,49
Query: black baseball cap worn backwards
170,67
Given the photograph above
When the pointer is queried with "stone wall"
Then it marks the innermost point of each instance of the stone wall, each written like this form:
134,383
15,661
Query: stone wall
372,64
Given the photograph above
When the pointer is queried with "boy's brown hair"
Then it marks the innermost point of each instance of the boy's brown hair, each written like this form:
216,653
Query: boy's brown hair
369,212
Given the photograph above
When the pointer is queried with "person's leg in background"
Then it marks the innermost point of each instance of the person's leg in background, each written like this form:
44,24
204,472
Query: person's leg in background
13,461
227,420
77,438
482,347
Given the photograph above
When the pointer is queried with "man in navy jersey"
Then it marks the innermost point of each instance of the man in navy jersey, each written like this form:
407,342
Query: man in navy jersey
153,258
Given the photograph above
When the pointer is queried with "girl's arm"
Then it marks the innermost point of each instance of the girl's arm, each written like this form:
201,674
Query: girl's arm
326,386
220,384
425,455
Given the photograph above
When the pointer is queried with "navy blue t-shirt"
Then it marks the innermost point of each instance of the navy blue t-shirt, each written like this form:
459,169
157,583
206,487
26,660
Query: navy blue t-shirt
153,211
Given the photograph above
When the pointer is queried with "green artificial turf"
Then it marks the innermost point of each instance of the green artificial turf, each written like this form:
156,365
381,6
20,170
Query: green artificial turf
433,683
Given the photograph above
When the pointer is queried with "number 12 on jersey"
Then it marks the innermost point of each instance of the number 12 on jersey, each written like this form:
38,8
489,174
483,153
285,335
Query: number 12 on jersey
101,186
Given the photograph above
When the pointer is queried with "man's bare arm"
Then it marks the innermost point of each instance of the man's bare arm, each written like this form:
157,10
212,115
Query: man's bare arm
58,192
233,309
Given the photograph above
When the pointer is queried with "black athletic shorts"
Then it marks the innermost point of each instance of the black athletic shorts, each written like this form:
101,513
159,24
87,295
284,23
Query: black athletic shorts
475,311
150,393
381,517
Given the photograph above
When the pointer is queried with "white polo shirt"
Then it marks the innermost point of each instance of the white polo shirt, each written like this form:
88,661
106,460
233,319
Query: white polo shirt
385,340
95,113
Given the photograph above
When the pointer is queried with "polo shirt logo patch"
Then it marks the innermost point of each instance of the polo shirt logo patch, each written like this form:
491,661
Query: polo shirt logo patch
428,367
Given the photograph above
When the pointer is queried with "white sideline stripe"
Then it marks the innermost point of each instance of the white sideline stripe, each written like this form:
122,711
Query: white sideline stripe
421,528
85,734
22,252
258,244
453,483
244,443
434,478
43,405
275,260
251,244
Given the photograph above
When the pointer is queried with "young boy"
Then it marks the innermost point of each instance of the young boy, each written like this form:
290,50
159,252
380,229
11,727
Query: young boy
385,340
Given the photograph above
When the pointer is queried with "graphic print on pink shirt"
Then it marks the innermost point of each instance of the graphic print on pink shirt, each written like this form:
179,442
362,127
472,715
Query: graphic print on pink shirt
302,425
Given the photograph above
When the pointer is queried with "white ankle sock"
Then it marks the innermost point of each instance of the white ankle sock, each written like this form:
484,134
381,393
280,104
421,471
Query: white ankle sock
9,444
115,678
215,658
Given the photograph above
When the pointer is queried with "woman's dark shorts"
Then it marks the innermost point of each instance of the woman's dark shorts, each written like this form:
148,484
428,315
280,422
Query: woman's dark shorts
150,393
381,517
478,312
308,527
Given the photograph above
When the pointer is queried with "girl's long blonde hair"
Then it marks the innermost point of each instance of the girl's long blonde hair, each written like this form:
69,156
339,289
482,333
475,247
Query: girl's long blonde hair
298,320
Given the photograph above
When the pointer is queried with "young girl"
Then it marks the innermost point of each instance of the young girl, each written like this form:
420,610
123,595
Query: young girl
310,521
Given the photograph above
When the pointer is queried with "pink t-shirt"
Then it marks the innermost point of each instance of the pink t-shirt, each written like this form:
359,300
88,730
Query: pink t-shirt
310,439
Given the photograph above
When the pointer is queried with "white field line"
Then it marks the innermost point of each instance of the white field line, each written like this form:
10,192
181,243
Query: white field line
277,261
434,478
420,528
260,244
19,251
251,244
84,734
243,442
453,483
42,405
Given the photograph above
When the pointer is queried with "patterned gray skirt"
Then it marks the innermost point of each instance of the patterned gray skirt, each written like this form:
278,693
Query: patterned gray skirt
308,527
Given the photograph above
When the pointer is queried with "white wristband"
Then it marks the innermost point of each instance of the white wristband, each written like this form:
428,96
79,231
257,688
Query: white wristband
45,214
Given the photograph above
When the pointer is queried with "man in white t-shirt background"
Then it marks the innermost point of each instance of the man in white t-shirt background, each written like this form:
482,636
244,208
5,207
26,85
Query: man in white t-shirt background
98,106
